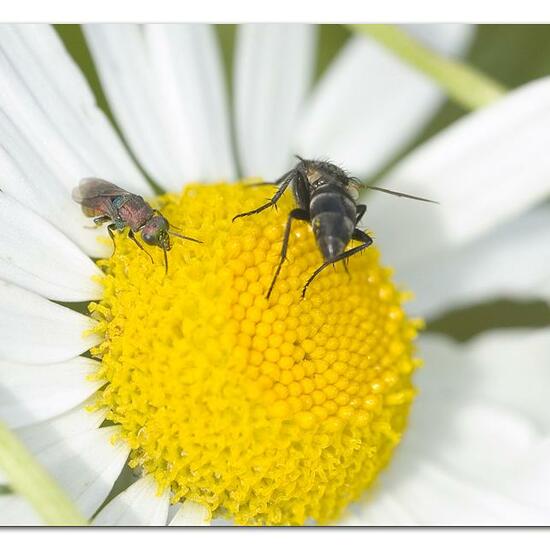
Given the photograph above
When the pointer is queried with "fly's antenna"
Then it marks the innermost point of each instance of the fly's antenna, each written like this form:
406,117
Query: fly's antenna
174,234
397,193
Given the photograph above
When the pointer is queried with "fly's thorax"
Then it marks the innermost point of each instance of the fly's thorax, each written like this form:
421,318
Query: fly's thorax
319,172
135,212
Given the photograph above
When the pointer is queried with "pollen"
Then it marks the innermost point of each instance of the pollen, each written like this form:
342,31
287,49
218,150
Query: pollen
269,412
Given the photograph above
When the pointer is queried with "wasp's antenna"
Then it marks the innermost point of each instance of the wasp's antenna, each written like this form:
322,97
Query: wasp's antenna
172,226
184,237
159,213
397,193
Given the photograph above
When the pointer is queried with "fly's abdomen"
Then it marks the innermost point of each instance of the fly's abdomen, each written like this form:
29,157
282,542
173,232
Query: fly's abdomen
333,215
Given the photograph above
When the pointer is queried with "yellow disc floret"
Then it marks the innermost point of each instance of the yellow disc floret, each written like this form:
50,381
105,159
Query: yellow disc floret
267,412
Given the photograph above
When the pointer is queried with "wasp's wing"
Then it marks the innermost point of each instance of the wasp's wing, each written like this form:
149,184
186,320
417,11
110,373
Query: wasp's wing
93,188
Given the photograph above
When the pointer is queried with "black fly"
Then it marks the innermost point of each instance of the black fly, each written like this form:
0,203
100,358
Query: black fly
326,198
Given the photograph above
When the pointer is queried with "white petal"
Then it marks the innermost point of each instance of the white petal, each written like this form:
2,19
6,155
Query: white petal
485,169
369,105
33,393
69,424
499,379
512,261
532,474
35,330
273,70
139,505
25,176
165,85
16,511
52,132
73,423
48,98
433,497
509,368
79,456
36,256
191,514
479,418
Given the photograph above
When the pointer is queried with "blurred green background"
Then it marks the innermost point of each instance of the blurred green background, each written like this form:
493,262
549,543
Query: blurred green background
511,54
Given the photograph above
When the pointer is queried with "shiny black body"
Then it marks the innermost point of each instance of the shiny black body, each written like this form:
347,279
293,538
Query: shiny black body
330,203
106,202
326,197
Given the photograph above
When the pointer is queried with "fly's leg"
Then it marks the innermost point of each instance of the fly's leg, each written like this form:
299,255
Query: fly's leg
133,238
361,209
345,261
284,182
262,184
296,214
357,235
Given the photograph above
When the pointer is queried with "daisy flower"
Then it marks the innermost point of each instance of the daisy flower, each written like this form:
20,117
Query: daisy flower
225,406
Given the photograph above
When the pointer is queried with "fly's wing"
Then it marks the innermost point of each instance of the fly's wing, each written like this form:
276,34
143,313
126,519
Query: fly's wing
359,185
93,188
95,197
399,194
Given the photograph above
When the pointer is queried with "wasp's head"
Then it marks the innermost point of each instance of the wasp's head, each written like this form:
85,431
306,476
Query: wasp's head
155,232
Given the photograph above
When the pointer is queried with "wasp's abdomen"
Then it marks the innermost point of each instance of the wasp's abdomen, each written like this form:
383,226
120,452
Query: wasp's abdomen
333,215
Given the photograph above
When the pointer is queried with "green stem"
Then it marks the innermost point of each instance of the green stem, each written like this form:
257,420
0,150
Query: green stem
466,85
31,480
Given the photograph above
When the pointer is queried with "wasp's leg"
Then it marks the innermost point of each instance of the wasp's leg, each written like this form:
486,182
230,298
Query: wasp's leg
358,235
133,238
361,209
99,220
283,183
296,214
110,228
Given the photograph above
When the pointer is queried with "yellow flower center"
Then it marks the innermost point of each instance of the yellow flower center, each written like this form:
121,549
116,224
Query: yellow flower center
267,412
